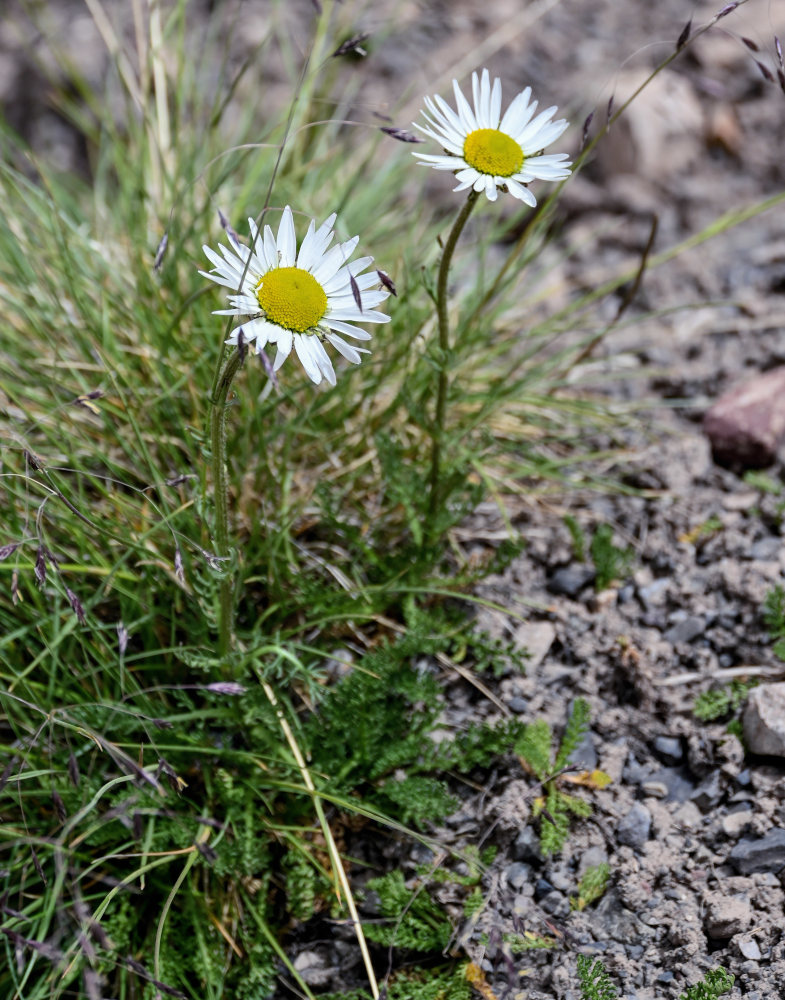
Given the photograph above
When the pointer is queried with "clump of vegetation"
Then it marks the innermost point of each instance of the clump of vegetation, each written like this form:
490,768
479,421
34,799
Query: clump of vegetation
723,702
774,616
611,562
592,886
597,985
556,806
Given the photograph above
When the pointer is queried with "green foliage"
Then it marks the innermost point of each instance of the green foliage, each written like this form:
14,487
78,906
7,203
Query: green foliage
370,734
716,983
420,984
718,703
578,537
610,562
761,481
774,616
596,984
411,918
592,886
555,806
594,980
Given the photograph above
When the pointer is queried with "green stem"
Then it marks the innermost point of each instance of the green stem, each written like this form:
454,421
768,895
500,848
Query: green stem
444,359
221,491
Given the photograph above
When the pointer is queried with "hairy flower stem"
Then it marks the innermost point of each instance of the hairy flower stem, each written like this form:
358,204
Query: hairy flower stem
437,434
221,491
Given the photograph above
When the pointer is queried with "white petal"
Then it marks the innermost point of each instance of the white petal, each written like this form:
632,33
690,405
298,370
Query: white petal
348,329
529,137
367,316
520,192
468,118
490,187
284,348
331,263
307,360
322,360
439,162
270,249
519,113
496,103
352,354
287,241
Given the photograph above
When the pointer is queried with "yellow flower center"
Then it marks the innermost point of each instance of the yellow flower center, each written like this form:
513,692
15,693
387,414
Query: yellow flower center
492,152
292,298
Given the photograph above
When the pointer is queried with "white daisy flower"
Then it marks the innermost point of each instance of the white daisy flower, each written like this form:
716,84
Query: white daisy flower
488,151
298,299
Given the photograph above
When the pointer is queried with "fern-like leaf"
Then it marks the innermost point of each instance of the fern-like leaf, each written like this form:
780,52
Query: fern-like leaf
595,983
576,728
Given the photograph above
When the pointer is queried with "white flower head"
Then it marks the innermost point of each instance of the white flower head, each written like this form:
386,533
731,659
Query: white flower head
298,298
488,151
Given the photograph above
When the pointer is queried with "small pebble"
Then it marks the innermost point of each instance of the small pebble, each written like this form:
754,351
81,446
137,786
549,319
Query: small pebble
669,749
748,948
633,828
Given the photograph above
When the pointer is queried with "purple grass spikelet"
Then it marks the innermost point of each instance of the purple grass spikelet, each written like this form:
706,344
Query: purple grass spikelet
59,805
778,47
751,44
122,638
179,570
727,9
8,550
684,36
40,566
781,78
586,127
356,292
766,73
76,606
227,226
161,252
401,134
73,770
387,281
226,687
353,45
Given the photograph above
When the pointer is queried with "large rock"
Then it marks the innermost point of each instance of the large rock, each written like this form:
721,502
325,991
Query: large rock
746,425
764,720
762,854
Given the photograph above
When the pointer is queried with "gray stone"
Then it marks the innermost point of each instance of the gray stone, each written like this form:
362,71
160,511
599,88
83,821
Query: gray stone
535,638
763,854
654,593
764,720
570,580
633,828
518,874
687,630
735,823
556,904
669,749
748,948
527,846
726,916
708,793
766,549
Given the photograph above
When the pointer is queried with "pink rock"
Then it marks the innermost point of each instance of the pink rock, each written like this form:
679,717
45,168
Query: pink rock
747,424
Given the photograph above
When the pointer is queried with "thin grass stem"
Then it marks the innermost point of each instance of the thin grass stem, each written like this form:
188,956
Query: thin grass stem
332,847
221,500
